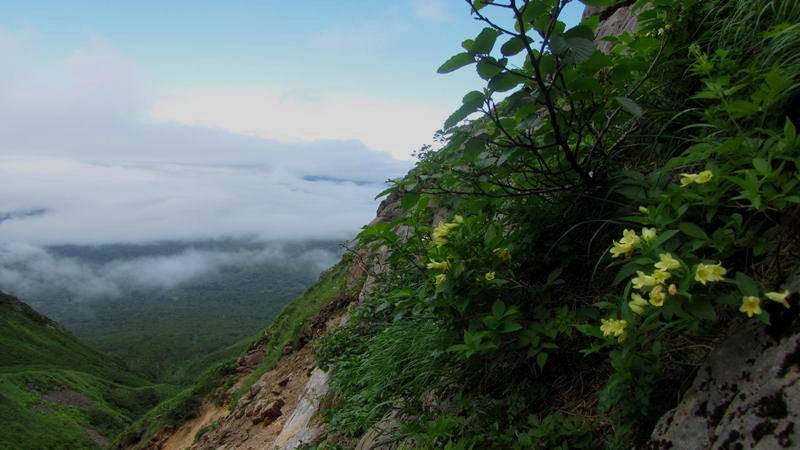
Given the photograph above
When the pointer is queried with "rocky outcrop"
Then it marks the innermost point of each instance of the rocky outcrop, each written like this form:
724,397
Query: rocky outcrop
615,20
302,427
746,395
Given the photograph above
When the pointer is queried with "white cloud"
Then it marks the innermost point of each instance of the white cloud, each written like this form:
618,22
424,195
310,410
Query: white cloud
393,126
77,141
435,10
30,271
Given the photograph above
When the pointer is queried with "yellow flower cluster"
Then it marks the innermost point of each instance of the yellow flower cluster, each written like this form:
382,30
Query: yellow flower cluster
637,303
751,305
444,266
709,272
489,276
696,178
655,281
442,231
630,241
614,327
625,246
502,253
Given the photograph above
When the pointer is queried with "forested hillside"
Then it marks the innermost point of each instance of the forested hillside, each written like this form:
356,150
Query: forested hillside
56,392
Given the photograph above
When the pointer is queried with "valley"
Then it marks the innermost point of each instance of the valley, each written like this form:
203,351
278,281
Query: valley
172,328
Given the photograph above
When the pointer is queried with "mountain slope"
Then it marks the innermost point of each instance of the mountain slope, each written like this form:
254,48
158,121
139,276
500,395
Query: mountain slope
54,389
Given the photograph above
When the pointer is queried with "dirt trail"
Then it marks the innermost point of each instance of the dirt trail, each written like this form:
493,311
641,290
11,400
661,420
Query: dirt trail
184,436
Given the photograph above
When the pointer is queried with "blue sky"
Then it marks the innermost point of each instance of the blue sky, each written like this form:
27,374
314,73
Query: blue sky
148,120
379,49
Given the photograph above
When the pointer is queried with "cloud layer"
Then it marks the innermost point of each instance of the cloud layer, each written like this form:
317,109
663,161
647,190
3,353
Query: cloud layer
31,271
79,145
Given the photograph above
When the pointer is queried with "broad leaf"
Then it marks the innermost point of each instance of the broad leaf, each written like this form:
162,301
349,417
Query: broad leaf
485,40
514,46
456,62
505,82
630,106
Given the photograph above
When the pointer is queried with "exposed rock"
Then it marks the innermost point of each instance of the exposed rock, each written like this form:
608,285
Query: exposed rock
267,412
98,438
746,395
301,428
623,20
605,11
380,436
70,398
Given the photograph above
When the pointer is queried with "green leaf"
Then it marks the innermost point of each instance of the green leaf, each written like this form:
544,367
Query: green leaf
456,62
541,359
762,166
599,3
510,327
693,230
741,108
471,102
409,200
789,131
630,106
485,40
478,4
701,308
473,99
488,67
747,285
514,45
498,308
505,82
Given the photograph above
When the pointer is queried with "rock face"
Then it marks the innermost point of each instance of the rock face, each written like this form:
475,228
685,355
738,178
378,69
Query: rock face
746,395
615,20
301,428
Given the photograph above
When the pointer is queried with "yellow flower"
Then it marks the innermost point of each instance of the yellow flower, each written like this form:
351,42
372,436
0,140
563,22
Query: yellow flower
750,306
661,276
648,234
502,253
440,234
699,178
489,276
657,296
673,289
637,303
613,327
709,272
444,266
625,246
642,280
779,297
704,177
687,179
667,262
442,230
441,278
621,250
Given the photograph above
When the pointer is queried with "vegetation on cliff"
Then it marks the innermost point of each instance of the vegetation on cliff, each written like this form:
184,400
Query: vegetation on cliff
610,215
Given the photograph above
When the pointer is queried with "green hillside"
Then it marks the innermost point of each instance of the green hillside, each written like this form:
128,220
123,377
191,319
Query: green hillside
54,389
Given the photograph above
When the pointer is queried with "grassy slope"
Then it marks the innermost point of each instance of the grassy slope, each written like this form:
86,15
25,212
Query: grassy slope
37,356
285,329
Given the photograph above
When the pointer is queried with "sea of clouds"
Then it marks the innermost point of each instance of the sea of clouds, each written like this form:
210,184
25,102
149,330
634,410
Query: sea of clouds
84,162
